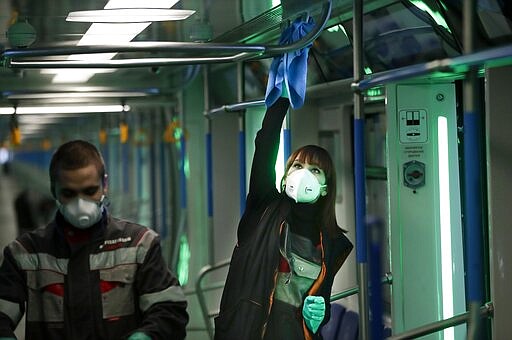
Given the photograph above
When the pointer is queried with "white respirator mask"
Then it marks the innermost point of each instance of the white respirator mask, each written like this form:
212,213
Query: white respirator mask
302,186
82,213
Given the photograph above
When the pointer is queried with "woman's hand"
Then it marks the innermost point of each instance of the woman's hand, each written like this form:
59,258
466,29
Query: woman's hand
313,312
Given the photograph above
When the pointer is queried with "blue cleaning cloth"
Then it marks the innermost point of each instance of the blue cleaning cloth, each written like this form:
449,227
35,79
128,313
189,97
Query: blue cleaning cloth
276,71
290,68
296,66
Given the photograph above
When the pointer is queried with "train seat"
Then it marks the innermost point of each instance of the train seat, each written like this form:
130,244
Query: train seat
343,325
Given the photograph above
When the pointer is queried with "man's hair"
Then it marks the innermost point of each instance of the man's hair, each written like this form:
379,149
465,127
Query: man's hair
74,155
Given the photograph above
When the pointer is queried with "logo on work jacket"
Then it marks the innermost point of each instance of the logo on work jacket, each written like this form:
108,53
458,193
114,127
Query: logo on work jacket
115,243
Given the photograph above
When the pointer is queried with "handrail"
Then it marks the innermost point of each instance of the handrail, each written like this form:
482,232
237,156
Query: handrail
127,63
494,56
200,295
235,107
387,279
238,52
485,311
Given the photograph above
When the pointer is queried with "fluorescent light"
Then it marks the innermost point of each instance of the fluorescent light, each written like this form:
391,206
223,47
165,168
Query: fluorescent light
4,155
70,75
140,4
7,110
108,33
64,109
123,15
445,223
78,94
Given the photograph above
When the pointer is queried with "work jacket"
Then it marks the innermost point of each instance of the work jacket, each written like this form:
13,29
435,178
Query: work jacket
249,290
111,285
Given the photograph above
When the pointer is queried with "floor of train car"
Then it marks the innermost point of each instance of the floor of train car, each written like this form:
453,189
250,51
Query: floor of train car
9,190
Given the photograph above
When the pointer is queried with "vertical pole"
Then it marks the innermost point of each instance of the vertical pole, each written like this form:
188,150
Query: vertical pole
182,224
472,179
183,156
287,139
375,238
153,172
164,170
209,166
359,174
241,135
140,165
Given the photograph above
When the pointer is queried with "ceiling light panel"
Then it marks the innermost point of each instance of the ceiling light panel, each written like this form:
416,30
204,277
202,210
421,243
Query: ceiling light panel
64,109
131,15
140,4
107,33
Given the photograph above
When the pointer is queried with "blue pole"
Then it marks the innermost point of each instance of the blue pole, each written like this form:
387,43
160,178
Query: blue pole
243,166
360,192
140,175
183,175
154,202
472,206
287,143
361,231
164,185
287,139
374,226
125,156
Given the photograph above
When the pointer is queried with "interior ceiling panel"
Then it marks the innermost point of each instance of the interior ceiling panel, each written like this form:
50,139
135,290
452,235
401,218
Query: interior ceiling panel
48,17
255,22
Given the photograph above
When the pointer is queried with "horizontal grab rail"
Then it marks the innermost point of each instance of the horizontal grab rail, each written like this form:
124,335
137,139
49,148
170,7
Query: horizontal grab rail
236,52
490,57
235,107
485,310
387,279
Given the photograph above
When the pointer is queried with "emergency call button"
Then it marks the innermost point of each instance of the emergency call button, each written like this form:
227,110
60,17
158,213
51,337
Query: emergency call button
414,174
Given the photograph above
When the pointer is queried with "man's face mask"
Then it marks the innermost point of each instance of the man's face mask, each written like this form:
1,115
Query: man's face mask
82,213
302,186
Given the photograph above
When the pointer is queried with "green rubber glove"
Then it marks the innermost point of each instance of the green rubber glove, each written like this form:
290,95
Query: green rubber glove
139,336
313,312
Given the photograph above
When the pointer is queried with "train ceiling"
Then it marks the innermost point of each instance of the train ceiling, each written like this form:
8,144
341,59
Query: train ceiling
42,27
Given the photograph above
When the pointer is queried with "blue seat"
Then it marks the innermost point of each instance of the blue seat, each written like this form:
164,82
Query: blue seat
343,324
349,327
330,329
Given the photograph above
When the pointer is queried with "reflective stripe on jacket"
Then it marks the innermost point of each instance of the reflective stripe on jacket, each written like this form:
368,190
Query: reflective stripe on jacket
107,288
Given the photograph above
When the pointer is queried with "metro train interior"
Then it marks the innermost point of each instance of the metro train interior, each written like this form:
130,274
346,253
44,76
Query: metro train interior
411,98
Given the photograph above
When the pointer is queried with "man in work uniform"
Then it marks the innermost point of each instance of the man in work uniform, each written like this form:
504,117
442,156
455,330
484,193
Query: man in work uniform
88,275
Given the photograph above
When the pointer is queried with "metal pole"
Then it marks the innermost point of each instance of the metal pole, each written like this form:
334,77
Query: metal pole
209,165
287,139
472,179
241,136
481,312
359,169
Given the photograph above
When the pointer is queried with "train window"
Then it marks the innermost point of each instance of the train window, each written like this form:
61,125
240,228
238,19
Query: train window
494,20
330,56
404,34
256,75
222,84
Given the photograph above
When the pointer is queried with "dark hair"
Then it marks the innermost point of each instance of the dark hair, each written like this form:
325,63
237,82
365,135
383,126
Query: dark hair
74,155
314,154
